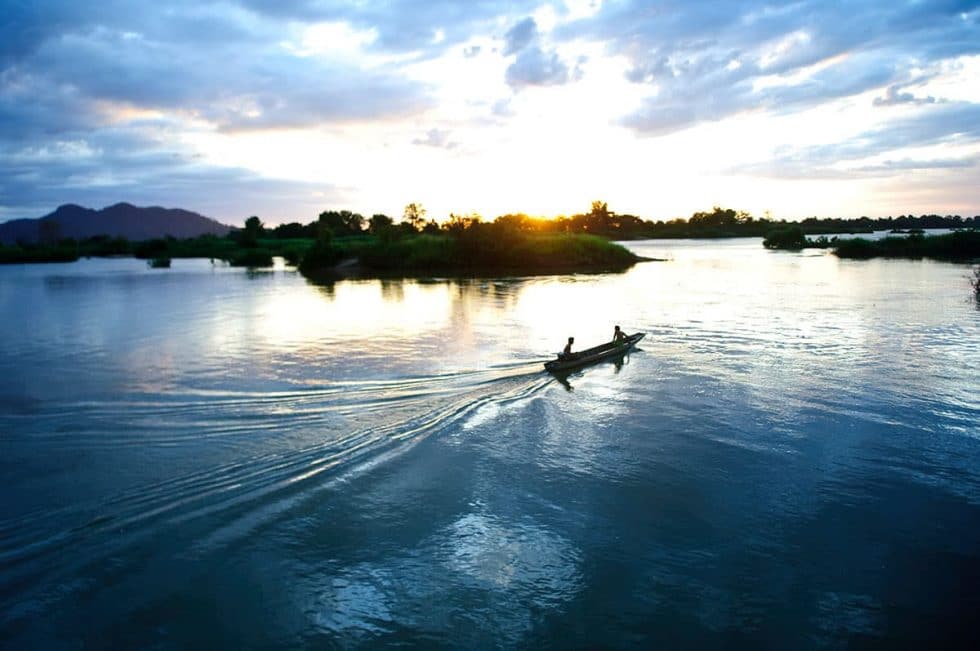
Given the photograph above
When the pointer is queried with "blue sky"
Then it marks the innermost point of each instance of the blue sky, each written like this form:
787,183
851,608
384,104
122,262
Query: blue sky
287,108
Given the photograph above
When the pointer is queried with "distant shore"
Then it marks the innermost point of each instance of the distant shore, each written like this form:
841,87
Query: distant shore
957,246
345,244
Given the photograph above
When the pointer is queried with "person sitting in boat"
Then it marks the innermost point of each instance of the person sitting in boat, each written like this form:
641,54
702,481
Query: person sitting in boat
619,336
568,348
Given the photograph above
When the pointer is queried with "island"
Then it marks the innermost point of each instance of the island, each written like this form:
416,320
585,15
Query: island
961,245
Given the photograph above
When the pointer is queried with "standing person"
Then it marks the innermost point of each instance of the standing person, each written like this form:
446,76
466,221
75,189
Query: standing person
568,347
618,335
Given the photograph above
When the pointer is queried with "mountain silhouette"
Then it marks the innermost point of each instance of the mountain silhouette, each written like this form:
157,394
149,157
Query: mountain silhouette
120,220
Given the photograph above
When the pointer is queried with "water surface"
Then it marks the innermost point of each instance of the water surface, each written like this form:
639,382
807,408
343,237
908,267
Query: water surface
204,456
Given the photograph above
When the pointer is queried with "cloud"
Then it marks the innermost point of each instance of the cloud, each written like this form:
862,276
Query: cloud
426,28
952,123
97,97
928,164
267,87
520,36
137,164
896,94
535,67
438,138
708,62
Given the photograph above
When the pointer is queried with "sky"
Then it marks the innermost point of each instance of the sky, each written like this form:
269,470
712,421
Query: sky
286,108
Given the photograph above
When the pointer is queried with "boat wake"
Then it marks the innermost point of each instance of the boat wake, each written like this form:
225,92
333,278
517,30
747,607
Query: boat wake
276,450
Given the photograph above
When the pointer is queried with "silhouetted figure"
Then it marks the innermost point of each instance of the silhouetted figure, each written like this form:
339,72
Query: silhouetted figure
568,347
618,335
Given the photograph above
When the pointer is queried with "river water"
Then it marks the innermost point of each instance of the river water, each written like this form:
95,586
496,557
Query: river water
205,457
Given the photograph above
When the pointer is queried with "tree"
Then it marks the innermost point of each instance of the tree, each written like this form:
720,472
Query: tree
717,217
341,222
459,224
414,215
253,230
293,230
514,223
379,224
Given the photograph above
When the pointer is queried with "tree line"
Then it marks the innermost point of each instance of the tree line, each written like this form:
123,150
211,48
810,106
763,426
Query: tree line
600,220
255,243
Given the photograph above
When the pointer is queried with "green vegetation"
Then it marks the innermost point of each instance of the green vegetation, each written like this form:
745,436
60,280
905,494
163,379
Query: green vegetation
465,245
161,262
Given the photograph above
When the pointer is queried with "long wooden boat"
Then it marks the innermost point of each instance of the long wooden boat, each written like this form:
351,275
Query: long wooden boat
595,354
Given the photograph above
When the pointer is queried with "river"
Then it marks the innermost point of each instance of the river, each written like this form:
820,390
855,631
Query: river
207,457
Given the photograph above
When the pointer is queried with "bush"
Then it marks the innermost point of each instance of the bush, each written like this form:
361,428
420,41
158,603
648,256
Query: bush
321,256
251,258
855,247
789,238
960,245
151,248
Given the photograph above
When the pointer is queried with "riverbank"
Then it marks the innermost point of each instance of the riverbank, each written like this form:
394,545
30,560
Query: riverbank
468,253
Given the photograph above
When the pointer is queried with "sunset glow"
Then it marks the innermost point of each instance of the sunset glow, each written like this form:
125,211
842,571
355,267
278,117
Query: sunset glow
660,111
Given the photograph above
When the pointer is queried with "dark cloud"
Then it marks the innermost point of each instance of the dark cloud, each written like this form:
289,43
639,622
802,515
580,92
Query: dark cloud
261,87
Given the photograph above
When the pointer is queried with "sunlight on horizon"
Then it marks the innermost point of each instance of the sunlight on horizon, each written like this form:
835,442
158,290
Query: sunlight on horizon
551,151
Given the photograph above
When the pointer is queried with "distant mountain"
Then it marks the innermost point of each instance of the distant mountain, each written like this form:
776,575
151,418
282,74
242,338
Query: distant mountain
121,220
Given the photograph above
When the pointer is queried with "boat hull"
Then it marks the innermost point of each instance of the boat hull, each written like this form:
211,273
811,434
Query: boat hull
593,355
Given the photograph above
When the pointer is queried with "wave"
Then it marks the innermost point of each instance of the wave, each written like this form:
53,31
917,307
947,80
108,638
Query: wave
218,504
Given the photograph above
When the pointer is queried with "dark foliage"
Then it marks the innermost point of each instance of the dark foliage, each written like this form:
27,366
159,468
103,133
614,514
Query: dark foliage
257,257
322,255
789,238
958,246
341,223
64,251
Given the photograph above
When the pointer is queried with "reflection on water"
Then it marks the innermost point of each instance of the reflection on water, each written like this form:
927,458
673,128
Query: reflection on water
204,456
